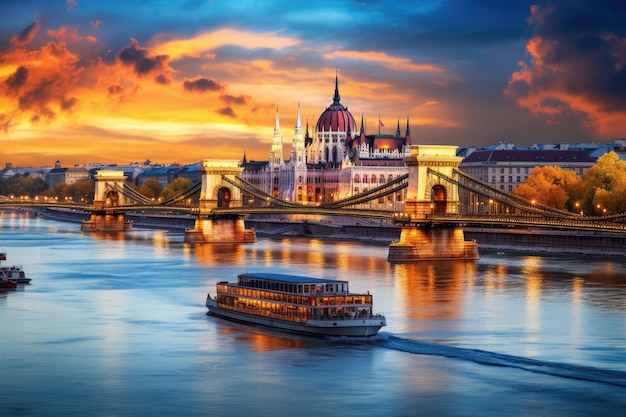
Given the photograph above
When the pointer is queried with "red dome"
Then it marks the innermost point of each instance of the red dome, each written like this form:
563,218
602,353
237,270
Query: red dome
336,117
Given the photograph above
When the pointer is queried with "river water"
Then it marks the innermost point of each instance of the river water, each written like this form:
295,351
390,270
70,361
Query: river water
115,325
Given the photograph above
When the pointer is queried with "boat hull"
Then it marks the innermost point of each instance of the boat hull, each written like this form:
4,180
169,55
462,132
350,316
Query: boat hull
346,327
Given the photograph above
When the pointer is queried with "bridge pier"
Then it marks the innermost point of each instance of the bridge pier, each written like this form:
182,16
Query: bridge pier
420,238
103,221
223,230
219,193
427,242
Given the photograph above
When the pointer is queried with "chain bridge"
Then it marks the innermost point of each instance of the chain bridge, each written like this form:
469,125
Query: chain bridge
438,201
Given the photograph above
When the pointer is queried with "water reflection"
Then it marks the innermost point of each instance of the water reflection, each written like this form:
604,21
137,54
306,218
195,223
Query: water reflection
217,254
432,290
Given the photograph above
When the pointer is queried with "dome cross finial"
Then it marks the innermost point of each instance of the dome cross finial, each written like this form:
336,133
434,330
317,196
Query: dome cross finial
336,98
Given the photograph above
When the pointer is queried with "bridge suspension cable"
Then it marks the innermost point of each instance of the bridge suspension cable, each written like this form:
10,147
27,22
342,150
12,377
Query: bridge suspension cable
183,195
375,193
249,188
136,196
470,183
131,193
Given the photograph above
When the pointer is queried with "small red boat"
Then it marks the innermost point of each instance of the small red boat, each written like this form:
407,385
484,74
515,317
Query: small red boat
7,285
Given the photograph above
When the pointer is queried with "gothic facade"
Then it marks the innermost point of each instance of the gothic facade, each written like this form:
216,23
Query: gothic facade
338,161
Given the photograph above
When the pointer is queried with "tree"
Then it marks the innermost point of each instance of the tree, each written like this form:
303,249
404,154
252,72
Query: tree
604,190
152,188
551,186
176,187
82,191
23,186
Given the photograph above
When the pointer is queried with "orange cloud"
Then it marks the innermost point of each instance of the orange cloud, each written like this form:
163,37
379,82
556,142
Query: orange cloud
70,34
393,63
201,44
564,75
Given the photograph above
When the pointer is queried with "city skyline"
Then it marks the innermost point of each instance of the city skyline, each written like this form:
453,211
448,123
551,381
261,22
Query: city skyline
131,81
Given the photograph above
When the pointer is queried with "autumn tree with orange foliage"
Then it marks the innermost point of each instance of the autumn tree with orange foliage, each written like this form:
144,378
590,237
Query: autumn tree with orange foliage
600,191
551,186
605,186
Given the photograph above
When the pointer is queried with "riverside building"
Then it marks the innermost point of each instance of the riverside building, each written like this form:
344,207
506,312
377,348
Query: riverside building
506,169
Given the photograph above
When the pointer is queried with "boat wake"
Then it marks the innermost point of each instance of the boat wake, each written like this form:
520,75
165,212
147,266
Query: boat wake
573,371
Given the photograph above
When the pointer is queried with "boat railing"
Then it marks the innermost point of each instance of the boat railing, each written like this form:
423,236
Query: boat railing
349,317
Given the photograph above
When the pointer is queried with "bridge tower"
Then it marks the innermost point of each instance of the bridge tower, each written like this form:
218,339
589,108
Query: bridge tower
218,193
421,239
108,194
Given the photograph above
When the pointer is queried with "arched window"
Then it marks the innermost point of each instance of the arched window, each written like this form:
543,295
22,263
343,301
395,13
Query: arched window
439,197
381,180
357,178
223,197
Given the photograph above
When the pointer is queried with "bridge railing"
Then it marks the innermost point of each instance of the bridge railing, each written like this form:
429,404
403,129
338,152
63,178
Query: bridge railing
586,223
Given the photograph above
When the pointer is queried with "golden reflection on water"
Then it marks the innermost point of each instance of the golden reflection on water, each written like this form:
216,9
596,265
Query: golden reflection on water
495,278
532,272
217,254
433,290
315,255
269,342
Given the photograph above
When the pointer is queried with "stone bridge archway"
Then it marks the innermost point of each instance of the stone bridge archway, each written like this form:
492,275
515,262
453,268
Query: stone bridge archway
215,192
108,186
428,193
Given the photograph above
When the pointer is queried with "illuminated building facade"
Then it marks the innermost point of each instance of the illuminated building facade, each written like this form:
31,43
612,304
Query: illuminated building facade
337,162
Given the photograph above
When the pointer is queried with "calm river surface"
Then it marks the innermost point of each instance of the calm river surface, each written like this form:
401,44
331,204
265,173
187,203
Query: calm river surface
115,325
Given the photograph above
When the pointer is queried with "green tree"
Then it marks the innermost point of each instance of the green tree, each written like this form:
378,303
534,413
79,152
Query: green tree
23,186
152,188
58,191
82,191
176,187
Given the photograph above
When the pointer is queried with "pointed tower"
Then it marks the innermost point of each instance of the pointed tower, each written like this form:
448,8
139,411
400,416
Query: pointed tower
298,155
398,135
276,151
407,137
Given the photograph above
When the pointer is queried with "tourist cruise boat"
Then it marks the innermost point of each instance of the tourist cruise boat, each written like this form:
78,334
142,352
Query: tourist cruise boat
315,306
13,273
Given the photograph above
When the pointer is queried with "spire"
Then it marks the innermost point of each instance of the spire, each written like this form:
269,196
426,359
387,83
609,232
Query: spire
398,128
362,126
298,119
276,150
408,132
336,98
277,126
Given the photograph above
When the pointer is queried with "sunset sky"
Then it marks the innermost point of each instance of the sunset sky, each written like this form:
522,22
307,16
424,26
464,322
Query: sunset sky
119,81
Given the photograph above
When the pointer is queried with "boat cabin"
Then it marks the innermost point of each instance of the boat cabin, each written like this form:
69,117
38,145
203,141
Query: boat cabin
293,284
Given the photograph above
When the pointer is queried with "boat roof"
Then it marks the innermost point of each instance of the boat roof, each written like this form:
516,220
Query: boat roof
293,279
